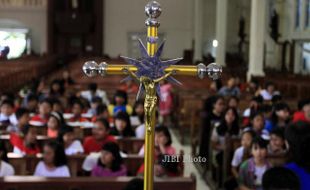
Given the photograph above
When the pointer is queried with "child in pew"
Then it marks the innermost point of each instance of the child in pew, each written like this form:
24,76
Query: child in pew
303,113
266,110
31,103
269,91
122,126
120,104
45,108
67,139
276,144
54,162
280,117
110,162
77,110
253,109
54,124
240,155
138,110
22,116
25,143
100,137
7,116
257,125
56,90
6,169
213,109
57,106
228,127
163,148
101,112
95,102
93,91
252,170
91,161
233,102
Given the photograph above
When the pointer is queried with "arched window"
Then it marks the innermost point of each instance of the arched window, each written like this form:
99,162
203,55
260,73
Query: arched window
14,34
15,39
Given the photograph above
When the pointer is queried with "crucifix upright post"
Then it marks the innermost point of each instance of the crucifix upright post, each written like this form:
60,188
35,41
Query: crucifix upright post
149,71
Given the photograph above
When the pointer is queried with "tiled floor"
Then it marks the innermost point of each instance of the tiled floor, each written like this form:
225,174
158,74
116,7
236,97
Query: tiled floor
189,167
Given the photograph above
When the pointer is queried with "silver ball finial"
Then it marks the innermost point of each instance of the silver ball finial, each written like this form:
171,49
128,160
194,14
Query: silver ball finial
153,9
90,68
213,70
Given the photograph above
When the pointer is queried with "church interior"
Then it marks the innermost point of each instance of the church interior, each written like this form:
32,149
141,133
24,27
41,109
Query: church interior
218,94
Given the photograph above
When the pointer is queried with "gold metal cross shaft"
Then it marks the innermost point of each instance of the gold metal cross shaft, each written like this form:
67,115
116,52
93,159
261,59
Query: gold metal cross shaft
91,68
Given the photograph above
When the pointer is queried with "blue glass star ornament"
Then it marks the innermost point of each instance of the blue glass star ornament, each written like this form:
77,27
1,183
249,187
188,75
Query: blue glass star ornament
151,66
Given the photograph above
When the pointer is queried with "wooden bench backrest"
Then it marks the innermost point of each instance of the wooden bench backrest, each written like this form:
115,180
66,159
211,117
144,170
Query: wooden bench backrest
130,145
26,165
90,183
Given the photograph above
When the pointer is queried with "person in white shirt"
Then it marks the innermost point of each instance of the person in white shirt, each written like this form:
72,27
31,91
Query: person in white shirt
140,131
94,92
22,116
92,159
269,92
242,153
54,162
7,116
71,145
6,169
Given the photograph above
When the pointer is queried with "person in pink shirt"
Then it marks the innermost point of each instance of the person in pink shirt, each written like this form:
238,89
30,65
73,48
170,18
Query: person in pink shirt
54,124
166,102
163,148
110,162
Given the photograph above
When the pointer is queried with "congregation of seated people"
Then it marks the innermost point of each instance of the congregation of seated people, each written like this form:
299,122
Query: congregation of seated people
53,124
249,139
246,143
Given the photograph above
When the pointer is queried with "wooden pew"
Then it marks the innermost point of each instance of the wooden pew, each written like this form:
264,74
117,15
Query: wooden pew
130,145
6,139
26,165
90,183
19,71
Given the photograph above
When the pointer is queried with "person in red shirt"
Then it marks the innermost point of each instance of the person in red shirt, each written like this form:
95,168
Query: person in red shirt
304,111
100,137
77,110
45,108
130,87
26,142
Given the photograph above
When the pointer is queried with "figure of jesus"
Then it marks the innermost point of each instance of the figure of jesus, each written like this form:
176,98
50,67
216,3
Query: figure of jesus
150,95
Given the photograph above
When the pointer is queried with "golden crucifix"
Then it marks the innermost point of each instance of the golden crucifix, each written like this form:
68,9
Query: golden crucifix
149,71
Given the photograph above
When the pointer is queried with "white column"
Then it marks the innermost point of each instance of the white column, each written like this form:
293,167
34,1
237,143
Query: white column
221,24
257,36
297,59
198,30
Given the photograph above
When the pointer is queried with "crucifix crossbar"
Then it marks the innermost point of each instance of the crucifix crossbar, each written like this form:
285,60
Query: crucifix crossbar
149,71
